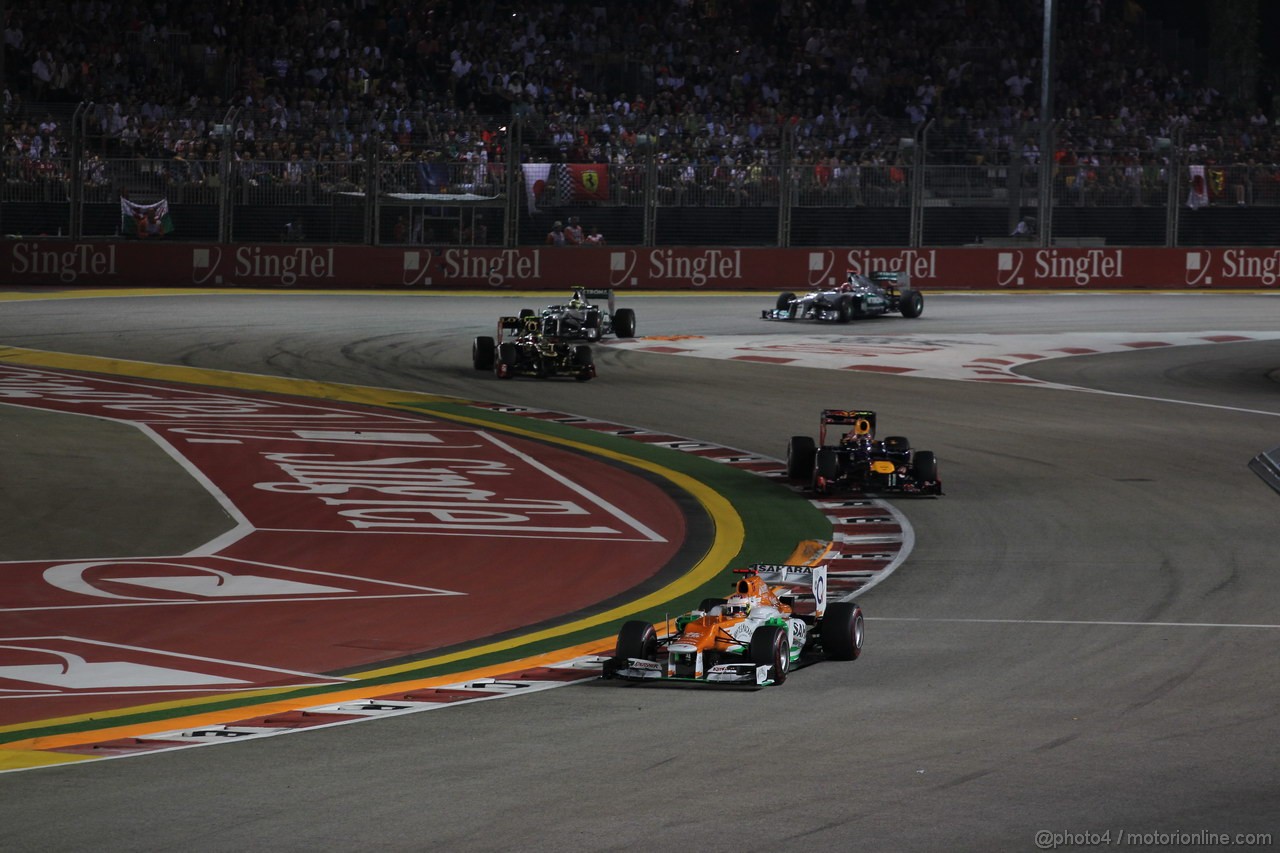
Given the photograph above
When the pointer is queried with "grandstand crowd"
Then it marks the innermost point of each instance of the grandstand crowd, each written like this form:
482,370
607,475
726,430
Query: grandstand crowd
301,84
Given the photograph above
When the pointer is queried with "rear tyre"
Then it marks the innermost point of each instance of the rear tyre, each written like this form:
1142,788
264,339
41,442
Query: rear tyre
707,603
924,465
526,313
483,350
912,304
637,639
841,631
769,646
801,450
624,323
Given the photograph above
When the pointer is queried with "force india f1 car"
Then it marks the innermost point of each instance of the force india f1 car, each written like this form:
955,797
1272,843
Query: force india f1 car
860,296
521,348
584,320
778,618
856,461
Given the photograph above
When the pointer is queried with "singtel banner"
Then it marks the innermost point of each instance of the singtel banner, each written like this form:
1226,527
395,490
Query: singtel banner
34,263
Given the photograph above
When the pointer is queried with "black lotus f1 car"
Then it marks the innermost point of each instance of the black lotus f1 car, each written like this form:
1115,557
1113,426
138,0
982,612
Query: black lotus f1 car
522,348
860,296
855,460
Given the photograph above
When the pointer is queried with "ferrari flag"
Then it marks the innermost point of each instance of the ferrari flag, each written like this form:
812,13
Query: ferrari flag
588,181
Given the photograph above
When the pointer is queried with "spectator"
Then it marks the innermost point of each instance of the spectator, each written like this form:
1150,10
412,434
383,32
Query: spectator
555,237
573,234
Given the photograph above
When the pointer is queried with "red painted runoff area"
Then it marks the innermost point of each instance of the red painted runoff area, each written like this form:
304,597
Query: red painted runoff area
355,536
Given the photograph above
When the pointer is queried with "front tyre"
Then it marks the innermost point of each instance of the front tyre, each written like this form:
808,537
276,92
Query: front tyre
826,470
624,323
483,351
784,301
924,465
637,639
769,646
583,363
508,357
801,450
841,631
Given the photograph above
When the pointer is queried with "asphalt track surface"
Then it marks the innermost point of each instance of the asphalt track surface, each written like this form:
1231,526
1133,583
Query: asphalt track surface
1084,639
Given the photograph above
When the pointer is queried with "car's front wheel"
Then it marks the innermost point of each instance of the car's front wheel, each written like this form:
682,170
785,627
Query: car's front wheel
826,470
925,466
637,639
483,350
800,452
769,646
508,356
624,323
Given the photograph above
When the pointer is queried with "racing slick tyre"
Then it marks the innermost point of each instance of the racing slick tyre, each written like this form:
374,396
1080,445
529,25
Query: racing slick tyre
924,465
784,301
525,313
483,350
637,639
826,469
841,631
707,603
508,356
593,325
844,309
624,323
912,304
801,450
583,361
769,646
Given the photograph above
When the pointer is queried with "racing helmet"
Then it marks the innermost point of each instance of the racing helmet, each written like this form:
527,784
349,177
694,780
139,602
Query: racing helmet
578,300
736,605
861,432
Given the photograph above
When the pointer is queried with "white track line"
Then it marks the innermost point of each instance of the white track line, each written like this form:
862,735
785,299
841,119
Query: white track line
1073,622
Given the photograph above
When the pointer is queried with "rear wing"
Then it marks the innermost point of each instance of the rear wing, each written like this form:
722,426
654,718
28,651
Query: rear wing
605,293
848,417
812,579
901,279
862,421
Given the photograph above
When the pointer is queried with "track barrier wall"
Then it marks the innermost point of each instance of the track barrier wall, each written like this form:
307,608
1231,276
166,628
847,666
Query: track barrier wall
63,263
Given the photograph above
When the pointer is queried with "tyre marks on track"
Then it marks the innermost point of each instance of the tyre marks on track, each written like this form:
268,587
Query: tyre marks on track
965,357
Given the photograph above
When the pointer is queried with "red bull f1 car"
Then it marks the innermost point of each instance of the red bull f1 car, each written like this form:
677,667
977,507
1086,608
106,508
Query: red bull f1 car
777,618
859,296
849,457
522,348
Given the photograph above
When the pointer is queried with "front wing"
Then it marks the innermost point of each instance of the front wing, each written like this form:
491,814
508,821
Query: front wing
720,675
